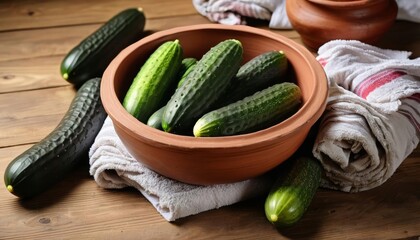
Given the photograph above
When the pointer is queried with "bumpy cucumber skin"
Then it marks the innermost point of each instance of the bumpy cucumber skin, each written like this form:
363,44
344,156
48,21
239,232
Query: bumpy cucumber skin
46,162
155,79
252,113
187,65
203,86
292,192
257,74
90,57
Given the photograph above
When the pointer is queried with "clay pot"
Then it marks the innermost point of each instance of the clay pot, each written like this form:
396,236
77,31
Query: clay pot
212,160
319,21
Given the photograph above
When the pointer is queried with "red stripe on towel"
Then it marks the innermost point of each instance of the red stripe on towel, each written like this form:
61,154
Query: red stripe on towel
322,61
375,81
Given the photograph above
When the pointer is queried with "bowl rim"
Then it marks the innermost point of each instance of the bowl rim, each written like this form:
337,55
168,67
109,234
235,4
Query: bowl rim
308,113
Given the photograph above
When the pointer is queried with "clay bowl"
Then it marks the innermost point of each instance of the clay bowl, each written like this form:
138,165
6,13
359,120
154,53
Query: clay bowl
214,160
320,21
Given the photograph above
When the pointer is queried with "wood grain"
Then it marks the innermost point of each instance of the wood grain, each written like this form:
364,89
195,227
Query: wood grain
22,74
27,14
49,46
79,208
29,116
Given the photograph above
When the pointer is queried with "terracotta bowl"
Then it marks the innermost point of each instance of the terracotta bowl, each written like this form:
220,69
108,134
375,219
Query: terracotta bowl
214,160
320,21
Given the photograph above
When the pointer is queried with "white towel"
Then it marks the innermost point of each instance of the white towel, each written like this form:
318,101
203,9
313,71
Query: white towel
113,168
409,10
372,120
234,12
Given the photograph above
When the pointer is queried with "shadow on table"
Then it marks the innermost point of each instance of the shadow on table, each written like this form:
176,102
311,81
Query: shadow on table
59,191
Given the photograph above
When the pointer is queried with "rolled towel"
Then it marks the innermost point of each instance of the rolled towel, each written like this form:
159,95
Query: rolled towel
114,168
234,12
372,120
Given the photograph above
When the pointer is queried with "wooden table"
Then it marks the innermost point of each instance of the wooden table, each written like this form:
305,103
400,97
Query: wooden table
34,38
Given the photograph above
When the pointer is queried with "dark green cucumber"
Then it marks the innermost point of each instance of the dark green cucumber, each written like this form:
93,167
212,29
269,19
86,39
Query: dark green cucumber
187,65
257,74
155,120
46,162
203,86
90,57
156,78
293,191
252,113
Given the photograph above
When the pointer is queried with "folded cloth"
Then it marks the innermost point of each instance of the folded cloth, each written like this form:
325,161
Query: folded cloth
372,119
114,168
234,12
408,10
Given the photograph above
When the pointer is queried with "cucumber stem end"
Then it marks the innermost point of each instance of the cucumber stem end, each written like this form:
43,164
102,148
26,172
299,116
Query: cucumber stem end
10,188
273,218
65,76
165,127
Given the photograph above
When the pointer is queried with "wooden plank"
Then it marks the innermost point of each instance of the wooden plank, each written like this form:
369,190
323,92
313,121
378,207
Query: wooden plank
27,117
26,14
78,208
22,74
58,41
41,42
49,46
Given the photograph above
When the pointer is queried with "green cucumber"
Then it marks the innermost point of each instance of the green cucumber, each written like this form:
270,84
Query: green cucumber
187,65
293,191
257,74
263,108
46,162
91,56
156,78
203,86
155,120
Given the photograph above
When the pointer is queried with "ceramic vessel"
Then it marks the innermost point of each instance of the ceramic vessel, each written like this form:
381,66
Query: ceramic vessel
214,160
319,21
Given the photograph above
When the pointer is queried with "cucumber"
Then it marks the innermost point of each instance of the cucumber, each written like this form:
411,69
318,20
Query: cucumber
261,72
293,191
155,120
264,108
153,82
203,86
46,162
187,65
91,56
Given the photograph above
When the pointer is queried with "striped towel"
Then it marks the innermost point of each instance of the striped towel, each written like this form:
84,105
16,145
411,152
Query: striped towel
234,12
372,120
